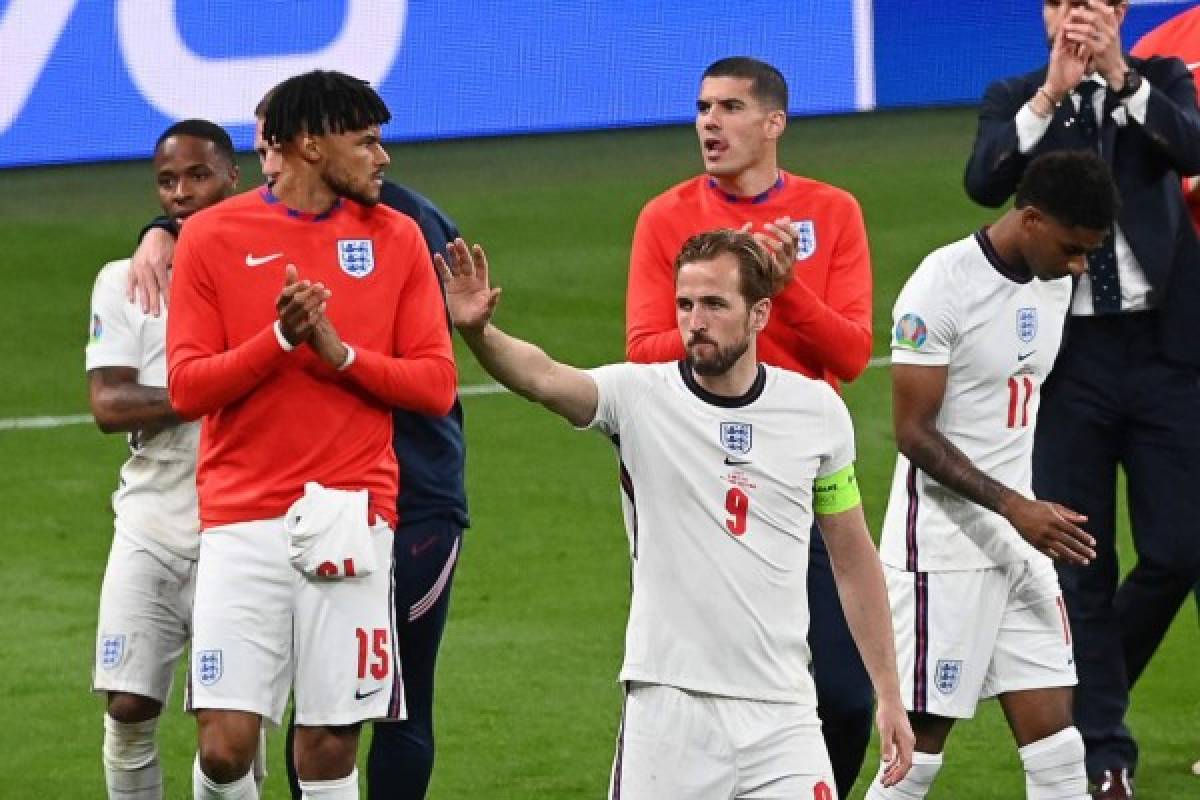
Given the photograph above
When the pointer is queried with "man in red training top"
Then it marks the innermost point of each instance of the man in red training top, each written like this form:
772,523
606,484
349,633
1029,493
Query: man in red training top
296,388
1180,37
820,323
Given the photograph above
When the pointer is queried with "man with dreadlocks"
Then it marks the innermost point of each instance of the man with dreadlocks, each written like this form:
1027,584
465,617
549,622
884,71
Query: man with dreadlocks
270,342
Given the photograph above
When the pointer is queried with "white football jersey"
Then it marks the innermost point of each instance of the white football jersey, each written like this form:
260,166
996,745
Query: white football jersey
717,494
155,502
998,336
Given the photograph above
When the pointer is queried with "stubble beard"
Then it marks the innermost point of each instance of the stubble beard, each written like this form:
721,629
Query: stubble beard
721,362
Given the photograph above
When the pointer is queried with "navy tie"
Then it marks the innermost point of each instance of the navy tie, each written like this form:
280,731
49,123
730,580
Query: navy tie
1102,262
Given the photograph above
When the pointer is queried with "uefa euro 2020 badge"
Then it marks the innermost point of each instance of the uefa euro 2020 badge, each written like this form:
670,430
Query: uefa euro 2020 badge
356,257
911,332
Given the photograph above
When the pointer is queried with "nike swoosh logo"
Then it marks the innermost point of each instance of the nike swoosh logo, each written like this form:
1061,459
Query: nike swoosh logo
1023,356
251,261
733,462
364,695
421,547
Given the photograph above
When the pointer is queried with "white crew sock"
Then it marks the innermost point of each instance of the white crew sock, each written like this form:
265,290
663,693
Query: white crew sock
916,783
130,755
341,789
1054,767
204,788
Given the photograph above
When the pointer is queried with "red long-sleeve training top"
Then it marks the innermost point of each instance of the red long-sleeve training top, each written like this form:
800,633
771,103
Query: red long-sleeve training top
820,323
275,419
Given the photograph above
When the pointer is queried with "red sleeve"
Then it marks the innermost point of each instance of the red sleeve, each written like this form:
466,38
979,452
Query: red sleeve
834,332
651,334
203,375
422,376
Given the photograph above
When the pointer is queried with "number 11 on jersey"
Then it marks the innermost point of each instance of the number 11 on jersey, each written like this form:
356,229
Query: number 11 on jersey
1020,392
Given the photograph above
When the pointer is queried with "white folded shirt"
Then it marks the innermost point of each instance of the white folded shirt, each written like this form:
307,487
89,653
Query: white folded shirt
328,534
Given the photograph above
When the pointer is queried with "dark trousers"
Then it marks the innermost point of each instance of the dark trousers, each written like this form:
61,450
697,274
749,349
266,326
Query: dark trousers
400,761
1113,400
845,699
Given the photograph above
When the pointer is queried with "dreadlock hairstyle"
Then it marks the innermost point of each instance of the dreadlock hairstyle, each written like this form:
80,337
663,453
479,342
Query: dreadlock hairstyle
321,102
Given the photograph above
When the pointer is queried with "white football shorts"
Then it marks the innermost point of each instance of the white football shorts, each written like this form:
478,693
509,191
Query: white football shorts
262,627
145,615
689,746
967,635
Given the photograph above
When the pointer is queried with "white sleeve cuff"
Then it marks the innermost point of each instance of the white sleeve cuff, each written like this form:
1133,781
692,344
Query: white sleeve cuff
1135,104
1030,128
279,337
349,358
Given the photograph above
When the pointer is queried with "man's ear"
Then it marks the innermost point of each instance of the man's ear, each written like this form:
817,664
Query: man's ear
776,123
760,314
309,147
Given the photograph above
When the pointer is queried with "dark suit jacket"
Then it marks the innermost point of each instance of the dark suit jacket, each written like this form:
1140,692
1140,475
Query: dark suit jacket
1147,162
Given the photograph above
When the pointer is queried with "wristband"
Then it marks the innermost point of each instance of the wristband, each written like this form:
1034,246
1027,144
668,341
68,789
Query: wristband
1042,91
349,358
279,337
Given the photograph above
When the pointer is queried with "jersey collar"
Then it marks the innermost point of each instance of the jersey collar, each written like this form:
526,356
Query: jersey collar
270,199
753,393
761,197
1003,267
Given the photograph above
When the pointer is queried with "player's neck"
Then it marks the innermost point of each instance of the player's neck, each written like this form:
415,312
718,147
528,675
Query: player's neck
1003,235
734,382
304,191
750,182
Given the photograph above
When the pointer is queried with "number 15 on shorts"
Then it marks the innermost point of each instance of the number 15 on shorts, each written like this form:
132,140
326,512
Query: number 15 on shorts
373,653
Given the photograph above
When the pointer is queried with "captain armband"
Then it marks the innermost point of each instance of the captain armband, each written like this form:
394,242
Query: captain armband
836,493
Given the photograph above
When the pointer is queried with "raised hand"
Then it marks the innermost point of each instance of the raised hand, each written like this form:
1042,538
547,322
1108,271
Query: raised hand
1069,58
469,296
1053,529
299,306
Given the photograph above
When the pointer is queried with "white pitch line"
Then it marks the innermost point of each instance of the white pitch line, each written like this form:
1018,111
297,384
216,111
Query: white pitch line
29,423
477,390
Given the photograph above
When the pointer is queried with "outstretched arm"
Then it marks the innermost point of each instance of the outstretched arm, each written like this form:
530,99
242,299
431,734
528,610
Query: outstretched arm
917,393
519,365
863,594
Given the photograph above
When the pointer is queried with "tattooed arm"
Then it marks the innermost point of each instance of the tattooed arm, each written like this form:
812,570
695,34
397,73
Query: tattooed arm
917,393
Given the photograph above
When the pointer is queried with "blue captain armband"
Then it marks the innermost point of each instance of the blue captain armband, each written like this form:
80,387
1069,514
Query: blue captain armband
836,493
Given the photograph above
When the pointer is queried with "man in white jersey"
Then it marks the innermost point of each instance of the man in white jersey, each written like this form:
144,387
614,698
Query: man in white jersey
723,463
968,553
146,599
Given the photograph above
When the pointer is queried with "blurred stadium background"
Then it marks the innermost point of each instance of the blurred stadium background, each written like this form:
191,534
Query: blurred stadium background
527,700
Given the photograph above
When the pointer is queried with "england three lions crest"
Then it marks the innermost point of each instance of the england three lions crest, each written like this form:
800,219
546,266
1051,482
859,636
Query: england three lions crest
356,257
112,650
737,437
1027,324
946,675
806,239
210,666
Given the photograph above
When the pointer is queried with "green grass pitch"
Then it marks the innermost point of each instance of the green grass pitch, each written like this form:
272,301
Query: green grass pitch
527,699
